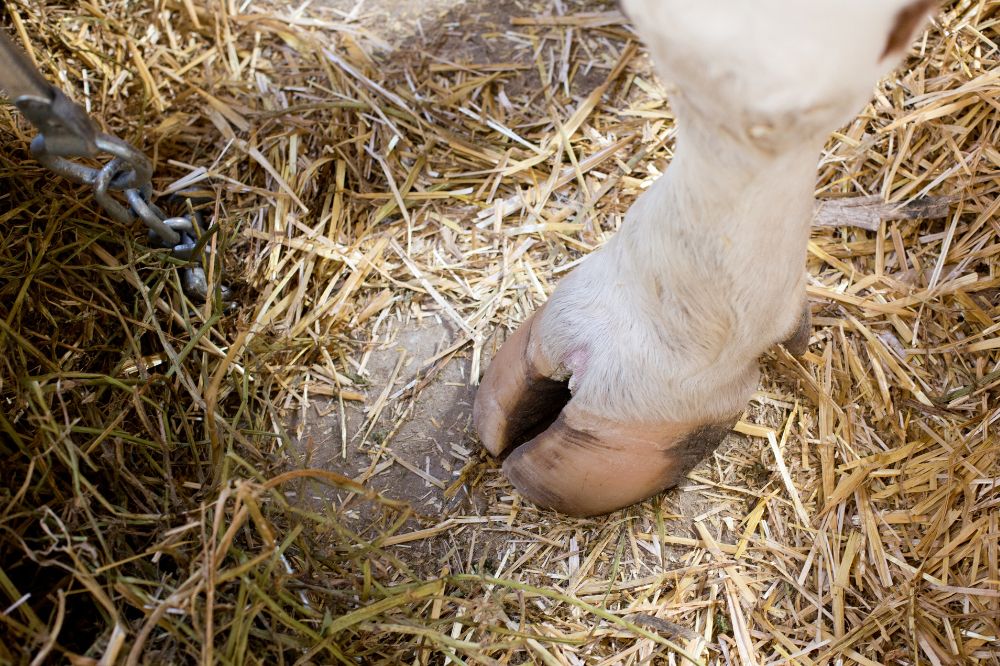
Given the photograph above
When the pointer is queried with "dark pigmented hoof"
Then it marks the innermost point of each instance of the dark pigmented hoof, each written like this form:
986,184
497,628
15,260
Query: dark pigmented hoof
697,446
798,343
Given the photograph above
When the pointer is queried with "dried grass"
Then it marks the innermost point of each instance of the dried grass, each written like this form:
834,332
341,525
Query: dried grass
151,507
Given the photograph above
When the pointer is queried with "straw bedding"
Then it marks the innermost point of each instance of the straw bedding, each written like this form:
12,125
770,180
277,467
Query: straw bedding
152,489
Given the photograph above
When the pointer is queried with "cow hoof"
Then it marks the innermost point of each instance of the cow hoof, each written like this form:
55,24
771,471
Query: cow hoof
586,465
797,343
568,459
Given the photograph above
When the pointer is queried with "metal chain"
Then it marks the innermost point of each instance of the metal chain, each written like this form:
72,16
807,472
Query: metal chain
66,133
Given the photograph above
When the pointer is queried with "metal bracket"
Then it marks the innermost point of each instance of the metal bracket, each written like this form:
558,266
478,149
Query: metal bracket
67,129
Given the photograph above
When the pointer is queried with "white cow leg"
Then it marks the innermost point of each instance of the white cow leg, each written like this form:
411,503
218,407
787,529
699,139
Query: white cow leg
644,356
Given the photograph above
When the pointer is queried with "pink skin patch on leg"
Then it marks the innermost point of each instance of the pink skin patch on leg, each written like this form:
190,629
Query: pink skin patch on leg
576,363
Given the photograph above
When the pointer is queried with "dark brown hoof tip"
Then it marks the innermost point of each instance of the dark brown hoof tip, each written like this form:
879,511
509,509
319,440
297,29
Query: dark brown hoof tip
585,465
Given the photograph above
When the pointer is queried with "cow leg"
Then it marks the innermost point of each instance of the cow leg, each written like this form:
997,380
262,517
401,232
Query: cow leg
643,356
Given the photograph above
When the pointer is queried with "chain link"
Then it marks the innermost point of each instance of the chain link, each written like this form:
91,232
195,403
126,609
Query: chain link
67,133
129,173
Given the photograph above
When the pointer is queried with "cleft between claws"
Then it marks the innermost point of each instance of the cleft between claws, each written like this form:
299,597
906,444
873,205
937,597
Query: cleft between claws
538,408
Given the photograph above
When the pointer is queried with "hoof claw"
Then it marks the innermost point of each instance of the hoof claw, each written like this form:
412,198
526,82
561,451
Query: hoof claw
517,398
797,343
586,465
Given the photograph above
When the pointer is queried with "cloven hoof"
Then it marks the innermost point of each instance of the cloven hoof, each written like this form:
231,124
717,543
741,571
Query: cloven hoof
568,459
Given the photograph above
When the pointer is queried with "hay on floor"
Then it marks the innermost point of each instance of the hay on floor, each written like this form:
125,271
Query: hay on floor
149,500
